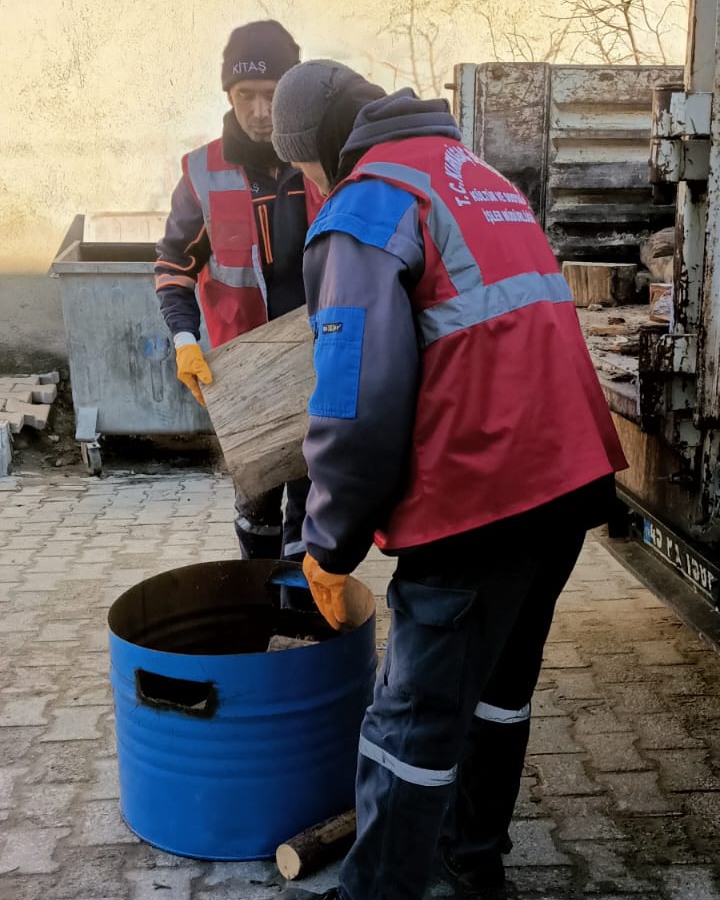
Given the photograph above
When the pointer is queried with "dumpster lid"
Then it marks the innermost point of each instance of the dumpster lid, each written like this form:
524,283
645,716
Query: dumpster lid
110,243
123,227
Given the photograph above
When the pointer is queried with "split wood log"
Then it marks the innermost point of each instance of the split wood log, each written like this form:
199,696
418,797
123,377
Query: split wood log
258,401
610,330
316,847
661,302
605,283
625,346
659,244
656,254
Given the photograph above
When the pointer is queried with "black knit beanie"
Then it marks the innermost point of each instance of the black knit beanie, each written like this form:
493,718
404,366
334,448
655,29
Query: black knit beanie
258,50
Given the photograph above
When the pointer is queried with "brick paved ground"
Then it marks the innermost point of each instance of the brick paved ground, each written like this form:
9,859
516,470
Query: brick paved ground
621,796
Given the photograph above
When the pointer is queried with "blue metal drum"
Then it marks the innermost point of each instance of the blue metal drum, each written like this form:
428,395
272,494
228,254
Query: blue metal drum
226,750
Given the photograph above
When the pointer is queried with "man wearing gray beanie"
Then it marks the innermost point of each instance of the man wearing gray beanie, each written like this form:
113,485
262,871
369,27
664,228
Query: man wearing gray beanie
456,417
233,248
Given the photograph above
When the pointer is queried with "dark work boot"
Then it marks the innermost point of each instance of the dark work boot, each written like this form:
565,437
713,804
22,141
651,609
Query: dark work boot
484,881
258,525
258,546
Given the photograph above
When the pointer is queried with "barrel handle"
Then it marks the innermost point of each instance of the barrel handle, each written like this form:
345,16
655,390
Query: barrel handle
193,698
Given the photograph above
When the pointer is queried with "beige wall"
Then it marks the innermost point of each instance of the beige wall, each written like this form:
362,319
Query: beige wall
99,100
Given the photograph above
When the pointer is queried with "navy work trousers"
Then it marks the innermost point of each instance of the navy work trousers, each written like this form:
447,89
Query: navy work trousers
443,743
262,530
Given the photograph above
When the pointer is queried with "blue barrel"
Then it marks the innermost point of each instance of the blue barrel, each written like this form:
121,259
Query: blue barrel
225,750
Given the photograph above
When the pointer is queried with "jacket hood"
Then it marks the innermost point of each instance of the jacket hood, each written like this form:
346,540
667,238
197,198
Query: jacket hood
400,115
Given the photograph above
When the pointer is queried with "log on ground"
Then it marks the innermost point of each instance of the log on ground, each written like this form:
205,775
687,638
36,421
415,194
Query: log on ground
316,847
605,283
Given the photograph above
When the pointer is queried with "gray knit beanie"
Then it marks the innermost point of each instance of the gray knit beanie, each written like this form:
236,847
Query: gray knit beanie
300,100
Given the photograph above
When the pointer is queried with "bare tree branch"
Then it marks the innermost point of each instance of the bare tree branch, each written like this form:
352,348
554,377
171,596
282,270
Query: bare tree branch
618,31
491,31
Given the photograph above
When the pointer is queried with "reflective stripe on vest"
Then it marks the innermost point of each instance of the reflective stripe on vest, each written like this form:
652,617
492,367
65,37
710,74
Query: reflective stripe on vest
204,182
475,302
233,276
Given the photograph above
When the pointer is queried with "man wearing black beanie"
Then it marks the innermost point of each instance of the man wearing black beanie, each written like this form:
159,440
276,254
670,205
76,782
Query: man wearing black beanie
233,247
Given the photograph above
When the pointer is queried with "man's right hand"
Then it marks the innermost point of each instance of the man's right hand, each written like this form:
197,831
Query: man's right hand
192,368
328,592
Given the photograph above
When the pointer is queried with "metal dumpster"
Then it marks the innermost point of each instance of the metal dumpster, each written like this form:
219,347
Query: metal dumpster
122,359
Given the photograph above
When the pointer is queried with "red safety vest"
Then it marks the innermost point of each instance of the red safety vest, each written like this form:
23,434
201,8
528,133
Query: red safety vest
231,287
510,413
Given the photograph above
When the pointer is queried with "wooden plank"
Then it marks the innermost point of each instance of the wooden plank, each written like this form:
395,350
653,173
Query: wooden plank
661,302
599,175
258,402
610,330
563,133
596,213
605,283
640,474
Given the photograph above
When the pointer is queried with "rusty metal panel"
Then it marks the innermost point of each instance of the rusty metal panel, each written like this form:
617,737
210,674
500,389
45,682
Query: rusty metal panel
511,102
598,195
464,101
576,141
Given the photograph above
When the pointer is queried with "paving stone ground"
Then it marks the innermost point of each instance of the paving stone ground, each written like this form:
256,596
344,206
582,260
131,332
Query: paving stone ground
621,794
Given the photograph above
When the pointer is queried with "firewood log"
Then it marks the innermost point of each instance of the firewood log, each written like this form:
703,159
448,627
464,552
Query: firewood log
316,847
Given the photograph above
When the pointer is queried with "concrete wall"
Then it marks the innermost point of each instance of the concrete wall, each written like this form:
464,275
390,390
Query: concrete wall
32,335
100,100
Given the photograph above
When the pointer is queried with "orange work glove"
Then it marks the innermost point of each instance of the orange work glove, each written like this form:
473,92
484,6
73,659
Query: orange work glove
328,592
192,368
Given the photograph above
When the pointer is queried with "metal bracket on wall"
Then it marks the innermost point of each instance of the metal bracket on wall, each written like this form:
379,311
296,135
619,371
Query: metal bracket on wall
667,388
672,354
680,144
